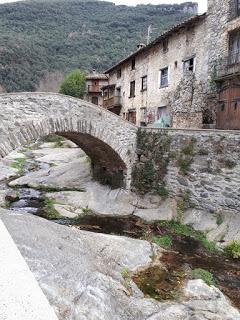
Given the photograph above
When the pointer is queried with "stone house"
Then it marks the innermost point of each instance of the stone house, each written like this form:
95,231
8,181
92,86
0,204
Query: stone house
94,82
224,60
180,77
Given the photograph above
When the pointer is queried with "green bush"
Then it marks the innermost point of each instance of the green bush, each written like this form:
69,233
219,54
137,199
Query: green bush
74,84
205,275
233,249
163,241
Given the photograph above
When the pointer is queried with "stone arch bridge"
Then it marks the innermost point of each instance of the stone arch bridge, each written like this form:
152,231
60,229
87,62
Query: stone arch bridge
107,139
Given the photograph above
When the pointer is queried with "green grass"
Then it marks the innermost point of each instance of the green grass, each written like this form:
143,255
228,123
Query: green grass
188,231
18,164
53,138
205,275
233,249
163,192
163,241
49,211
57,189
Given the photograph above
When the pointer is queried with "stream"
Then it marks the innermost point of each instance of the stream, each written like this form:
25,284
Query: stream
185,254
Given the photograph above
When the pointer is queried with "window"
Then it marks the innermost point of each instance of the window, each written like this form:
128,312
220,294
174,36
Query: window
132,89
133,64
164,77
189,65
132,116
238,7
143,116
144,83
165,45
234,47
119,73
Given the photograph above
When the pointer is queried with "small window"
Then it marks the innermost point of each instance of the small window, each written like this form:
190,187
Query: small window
165,45
119,73
238,7
144,83
132,89
234,48
189,65
133,64
164,77
235,105
222,106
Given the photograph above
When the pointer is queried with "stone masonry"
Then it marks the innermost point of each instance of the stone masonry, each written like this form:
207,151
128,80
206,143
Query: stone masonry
107,139
198,167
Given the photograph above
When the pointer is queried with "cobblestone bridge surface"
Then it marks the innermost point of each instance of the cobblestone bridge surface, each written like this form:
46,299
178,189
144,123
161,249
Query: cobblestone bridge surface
107,139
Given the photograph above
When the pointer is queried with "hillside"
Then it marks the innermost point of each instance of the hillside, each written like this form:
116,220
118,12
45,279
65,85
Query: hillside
40,37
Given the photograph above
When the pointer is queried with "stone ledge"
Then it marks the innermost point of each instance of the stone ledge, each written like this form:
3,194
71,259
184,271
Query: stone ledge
21,298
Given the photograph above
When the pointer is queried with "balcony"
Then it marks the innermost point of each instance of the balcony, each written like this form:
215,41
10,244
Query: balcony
229,67
112,102
93,89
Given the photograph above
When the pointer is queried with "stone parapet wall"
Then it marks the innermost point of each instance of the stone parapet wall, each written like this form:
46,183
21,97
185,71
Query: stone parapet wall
106,138
199,167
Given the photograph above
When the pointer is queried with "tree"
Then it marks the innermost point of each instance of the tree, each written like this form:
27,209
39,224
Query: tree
74,84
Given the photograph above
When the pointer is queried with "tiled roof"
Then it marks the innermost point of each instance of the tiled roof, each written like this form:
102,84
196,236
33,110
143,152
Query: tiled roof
96,76
192,21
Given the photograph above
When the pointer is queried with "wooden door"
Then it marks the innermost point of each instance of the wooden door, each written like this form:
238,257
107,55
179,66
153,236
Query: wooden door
132,116
95,100
228,110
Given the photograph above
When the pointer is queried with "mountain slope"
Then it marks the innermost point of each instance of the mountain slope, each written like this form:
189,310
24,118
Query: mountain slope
38,37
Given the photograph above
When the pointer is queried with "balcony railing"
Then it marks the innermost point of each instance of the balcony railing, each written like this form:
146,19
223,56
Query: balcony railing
229,66
94,88
111,102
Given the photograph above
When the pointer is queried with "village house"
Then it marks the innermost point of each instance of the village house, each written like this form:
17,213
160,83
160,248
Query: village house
94,82
188,77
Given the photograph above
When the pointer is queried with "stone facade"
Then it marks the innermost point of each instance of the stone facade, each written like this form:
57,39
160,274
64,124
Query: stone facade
107,139
201,168
205,40
181,45
94,83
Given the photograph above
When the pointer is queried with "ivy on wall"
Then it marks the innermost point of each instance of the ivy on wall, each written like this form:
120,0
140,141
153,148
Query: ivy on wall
153,151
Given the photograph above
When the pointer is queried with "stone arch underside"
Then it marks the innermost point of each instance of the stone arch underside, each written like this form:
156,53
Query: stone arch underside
108,140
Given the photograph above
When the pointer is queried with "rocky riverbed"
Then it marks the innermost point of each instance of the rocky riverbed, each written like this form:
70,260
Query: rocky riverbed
100,260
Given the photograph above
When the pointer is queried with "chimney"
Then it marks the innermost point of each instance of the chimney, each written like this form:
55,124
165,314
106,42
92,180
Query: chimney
140,46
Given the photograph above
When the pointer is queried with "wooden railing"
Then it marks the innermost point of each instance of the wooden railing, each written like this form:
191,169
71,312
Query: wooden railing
111,102
229,66
94,88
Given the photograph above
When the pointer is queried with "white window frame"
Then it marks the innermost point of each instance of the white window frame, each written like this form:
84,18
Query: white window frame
142,79
160,77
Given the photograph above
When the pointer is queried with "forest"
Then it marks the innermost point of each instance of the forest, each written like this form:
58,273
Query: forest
43,37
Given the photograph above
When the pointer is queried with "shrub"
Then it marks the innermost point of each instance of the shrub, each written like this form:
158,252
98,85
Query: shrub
205,275
74,84
233,249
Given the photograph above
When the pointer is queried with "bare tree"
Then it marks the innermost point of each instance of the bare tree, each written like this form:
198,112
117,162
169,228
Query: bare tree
50,82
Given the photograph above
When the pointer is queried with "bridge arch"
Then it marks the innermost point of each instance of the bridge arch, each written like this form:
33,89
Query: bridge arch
106,138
